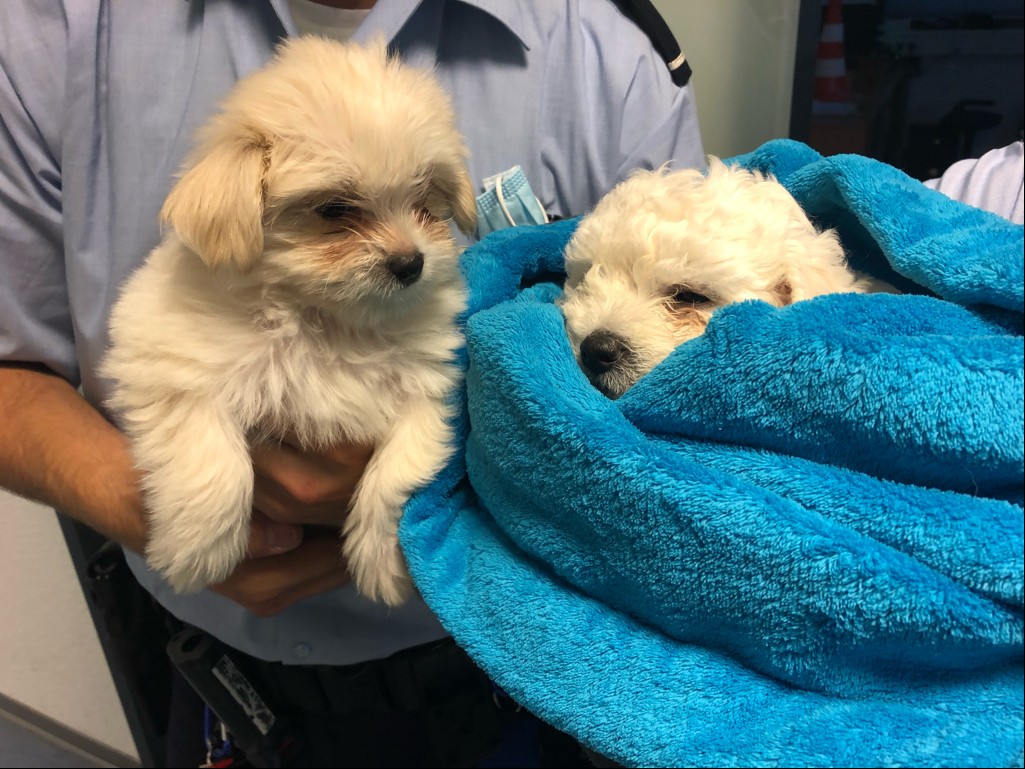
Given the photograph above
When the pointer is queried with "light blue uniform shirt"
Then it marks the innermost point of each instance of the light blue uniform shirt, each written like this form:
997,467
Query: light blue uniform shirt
98,105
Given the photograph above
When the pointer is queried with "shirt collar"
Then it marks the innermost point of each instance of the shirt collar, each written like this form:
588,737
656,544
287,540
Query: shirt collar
518,16
389,16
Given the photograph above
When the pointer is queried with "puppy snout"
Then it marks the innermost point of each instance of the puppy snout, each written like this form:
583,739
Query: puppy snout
406,267
601,351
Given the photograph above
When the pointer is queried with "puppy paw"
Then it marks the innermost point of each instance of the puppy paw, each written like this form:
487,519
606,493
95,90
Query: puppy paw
378,567
191,561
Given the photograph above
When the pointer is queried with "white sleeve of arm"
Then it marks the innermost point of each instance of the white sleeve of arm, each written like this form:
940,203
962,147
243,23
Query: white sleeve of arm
993,182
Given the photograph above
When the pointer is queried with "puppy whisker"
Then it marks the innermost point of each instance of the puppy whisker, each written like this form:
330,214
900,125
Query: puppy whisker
345,231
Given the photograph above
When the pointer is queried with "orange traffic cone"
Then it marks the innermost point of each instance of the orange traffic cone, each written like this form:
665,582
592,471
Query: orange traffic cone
832,94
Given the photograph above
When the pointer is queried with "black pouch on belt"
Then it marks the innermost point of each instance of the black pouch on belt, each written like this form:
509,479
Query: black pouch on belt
224,681
264,705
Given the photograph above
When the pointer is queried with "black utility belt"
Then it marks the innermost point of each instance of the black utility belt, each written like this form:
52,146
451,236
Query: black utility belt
409,680
259,701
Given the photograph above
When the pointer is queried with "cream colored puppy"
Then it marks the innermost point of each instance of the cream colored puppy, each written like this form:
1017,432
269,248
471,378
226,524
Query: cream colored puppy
662,251
307,286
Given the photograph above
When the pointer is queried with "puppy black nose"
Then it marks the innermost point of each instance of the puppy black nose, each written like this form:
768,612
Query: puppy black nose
601,350
406,267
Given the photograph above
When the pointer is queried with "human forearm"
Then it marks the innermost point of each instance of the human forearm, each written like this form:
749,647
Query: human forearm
57,449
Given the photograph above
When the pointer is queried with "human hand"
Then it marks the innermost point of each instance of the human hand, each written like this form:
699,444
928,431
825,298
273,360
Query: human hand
300,502
307,487
69,457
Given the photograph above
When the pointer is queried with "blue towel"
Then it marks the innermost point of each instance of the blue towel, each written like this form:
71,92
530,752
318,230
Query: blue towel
797,542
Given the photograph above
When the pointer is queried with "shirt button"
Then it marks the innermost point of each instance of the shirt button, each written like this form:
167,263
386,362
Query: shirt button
302,650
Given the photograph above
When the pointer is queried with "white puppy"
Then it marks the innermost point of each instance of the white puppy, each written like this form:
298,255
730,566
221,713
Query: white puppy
307,287
662,251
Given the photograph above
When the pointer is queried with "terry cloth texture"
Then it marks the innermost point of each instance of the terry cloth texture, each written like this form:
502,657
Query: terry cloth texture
797,542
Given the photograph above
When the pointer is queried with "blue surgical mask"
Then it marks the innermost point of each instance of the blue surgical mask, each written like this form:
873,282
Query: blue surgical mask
507,201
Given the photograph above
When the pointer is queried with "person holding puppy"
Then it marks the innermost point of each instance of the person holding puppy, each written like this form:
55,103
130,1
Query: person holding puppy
100,103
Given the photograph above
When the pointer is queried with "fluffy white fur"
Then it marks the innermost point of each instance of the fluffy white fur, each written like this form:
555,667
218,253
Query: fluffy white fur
307,286
663,250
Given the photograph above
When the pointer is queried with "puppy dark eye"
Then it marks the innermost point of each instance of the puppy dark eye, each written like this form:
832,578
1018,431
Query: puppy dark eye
336,209
682,296
432,207
425,214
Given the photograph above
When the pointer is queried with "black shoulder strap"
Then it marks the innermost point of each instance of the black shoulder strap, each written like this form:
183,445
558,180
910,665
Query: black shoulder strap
644,15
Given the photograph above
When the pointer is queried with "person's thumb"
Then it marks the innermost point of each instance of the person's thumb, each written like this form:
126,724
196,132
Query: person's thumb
270,537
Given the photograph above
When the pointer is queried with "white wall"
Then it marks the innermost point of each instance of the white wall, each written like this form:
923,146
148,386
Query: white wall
742,54
50,656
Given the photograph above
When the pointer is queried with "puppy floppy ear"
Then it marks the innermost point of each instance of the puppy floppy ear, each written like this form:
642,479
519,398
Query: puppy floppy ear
216,207
453,184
